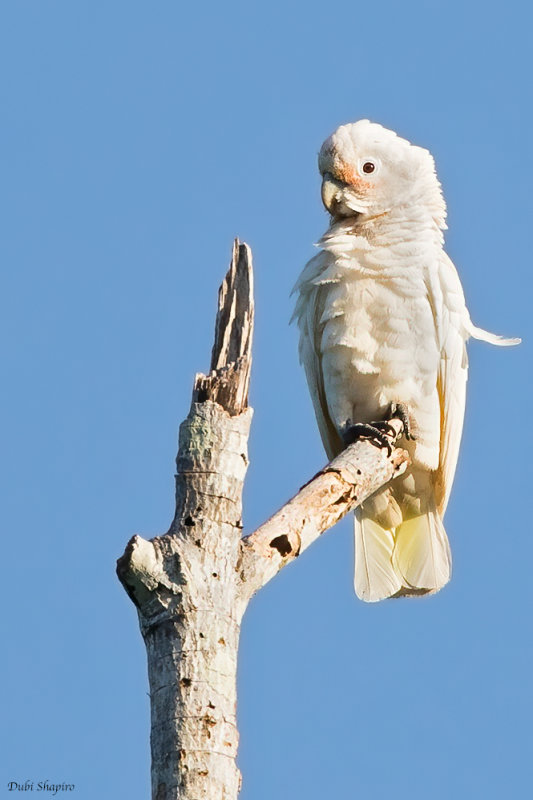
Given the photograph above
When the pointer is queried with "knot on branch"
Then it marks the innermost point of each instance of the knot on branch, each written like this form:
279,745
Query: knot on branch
141,571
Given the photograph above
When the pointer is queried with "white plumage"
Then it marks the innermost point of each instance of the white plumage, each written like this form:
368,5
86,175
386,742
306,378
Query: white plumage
383,320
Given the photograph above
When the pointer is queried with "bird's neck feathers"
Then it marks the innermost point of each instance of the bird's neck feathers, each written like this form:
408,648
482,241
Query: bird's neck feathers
418,224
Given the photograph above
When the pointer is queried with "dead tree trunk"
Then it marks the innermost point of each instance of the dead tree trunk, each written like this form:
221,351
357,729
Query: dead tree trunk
191,586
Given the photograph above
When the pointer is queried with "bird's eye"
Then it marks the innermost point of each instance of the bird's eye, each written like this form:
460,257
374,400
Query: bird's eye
368,166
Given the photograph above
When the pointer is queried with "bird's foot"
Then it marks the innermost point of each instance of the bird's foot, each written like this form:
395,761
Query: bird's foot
376,432
400,411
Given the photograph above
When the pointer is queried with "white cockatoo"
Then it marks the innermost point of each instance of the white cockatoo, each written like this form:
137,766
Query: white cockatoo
383,326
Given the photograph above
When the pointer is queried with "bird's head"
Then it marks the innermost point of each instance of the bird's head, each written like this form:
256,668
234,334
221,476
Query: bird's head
367,171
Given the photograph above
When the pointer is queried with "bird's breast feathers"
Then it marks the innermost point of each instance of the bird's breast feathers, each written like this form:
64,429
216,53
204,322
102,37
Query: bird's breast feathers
376,342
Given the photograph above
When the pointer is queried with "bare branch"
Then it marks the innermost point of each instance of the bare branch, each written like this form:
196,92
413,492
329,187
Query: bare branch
231,360
185,584
340,487
191,585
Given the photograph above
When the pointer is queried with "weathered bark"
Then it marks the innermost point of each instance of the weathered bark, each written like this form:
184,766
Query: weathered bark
191,586
339,487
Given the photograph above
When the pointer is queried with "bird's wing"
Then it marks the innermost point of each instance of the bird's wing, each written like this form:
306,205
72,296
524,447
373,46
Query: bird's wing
451,317
308,313
454,327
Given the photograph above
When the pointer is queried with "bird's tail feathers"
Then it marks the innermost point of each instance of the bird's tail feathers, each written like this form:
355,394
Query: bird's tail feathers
375,577
412,559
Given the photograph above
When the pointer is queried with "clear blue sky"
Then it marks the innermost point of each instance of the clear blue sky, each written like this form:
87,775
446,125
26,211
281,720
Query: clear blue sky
137,139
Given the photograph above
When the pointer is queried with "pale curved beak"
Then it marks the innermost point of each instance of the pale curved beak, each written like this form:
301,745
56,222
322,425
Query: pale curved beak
331,192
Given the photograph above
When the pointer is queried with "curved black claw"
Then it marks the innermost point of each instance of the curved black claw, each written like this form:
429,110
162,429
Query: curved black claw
385,428
370,431
401,412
